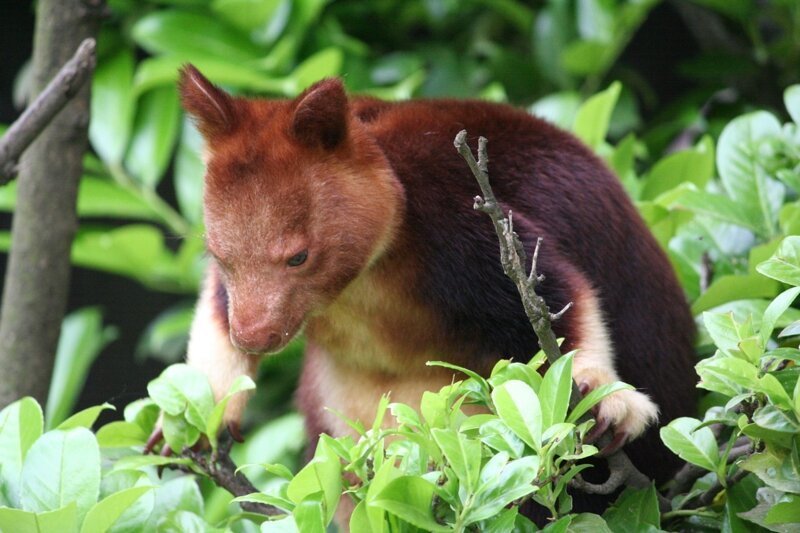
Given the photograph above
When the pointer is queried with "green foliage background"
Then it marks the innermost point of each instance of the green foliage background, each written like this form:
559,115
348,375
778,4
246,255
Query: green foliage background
716,180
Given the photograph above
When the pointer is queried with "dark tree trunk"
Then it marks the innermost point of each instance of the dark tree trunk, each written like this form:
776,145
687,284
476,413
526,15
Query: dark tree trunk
45,219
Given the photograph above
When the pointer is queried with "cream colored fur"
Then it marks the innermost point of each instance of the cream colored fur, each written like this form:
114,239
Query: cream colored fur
629,412
210,351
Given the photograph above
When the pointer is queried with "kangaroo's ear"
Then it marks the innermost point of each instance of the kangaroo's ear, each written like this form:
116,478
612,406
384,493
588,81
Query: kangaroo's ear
320,115
213,108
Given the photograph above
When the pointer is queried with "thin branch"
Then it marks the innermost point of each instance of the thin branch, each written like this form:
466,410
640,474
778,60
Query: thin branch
223,472
686,476
513,259
61,89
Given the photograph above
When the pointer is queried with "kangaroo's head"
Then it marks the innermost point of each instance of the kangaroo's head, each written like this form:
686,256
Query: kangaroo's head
299,200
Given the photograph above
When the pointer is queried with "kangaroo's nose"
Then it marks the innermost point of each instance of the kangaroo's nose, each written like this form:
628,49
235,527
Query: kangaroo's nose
254,339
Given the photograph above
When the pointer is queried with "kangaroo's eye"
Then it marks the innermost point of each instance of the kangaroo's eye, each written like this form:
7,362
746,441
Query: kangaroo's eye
298,259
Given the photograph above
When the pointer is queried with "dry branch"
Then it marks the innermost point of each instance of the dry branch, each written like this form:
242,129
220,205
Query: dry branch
513,259
50,101
223,471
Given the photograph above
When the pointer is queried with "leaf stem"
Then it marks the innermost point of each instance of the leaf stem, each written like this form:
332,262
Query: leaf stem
168,215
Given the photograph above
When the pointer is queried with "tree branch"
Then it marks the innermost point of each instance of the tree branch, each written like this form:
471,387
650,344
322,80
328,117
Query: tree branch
223,472
513,259
45,218
50,101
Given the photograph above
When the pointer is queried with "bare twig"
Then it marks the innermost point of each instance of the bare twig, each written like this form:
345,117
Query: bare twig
686,476
513,259
61,89
222,470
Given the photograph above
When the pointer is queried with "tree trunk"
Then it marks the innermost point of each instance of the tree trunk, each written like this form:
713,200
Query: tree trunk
45,219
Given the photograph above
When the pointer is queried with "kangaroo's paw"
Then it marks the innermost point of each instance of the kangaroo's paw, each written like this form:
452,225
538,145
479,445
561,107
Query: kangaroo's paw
627,413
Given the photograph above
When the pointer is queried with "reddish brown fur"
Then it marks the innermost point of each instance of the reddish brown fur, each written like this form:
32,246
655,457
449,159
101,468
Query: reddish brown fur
400,268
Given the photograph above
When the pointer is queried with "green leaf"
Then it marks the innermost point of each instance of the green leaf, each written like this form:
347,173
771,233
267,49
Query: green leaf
112,106
240,384
18,521
734,287
741,497
519,407
785,512
409,498
82,339
322,474
791,98
154,134
499,436
591,121
63,520
778,306
121,434
773,418
586,57
97,197
136,251
727,375
323,64
269,499
284,525
726,331
741,174
717,206
502,482
594,397
776,470
185,391
105,512
186,522
784,265
189,171
247,15
163,71
556,390
192,35
60,468
21,424
558,108
85,418
463,455
696,446
695,165
634,510
310,515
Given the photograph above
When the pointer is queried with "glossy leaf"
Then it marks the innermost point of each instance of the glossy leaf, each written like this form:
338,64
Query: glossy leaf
112,106
105,512
741,175
192,35
556,390
85,418
784,265
21,424
696,446
409,498
61,467
519,407
154,134
591,122
463,455
82,338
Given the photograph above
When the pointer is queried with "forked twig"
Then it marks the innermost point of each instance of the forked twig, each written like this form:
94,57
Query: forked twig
513,259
